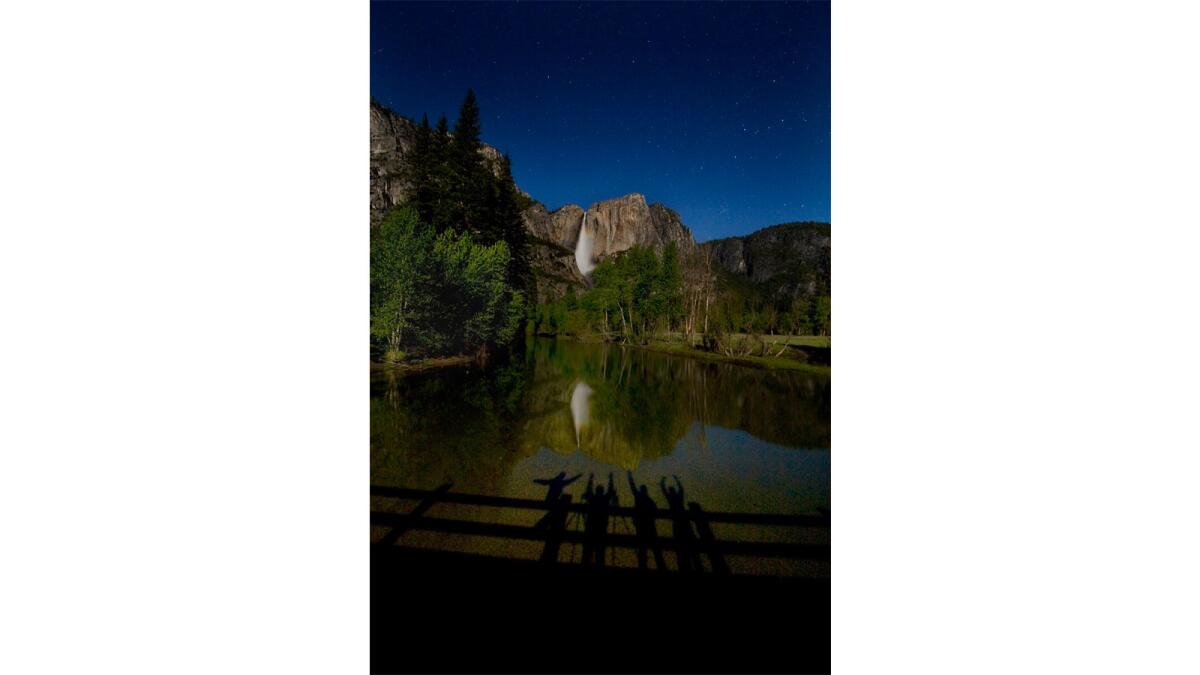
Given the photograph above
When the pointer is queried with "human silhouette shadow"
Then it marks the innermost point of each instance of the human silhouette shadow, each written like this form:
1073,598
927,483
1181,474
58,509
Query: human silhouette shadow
595,528
686,556
644,524
554,490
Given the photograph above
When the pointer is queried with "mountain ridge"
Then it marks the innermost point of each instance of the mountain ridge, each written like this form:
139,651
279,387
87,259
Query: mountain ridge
616,224
794,257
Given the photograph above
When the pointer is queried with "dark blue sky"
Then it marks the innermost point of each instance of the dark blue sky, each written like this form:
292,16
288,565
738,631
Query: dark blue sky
718,110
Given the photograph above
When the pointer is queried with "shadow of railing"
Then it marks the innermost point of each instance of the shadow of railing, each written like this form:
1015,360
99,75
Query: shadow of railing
554,533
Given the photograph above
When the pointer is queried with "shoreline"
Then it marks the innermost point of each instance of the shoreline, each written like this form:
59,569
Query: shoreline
679,349
659,346
422,366
759,362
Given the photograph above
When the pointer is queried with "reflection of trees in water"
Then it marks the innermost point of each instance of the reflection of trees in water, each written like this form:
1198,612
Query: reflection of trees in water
629,416
451,425
642,402
472,427
783,407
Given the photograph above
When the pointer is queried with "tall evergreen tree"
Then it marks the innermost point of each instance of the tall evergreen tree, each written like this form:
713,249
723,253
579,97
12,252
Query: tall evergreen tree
418,171
505,211
443,137
469,191
442,178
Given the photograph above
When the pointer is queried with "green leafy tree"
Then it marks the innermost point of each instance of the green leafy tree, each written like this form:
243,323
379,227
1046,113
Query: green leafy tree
439,294
476,307
669,287
401,271
822,320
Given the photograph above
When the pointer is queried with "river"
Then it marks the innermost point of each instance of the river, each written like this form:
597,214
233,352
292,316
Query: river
738,439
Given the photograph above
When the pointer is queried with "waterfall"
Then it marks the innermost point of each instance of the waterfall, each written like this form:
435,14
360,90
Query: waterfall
583,249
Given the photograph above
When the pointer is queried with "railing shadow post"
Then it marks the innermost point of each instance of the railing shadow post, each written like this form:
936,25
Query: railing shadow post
710,542
558,524
433,497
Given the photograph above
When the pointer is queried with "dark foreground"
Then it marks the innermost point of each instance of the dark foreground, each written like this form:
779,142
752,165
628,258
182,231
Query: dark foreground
439,612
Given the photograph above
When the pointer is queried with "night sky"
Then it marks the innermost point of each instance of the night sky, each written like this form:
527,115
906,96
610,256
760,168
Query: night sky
720,111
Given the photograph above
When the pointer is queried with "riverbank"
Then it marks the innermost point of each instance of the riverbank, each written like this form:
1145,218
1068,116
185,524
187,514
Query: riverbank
818,341
802,343
762,362
421,366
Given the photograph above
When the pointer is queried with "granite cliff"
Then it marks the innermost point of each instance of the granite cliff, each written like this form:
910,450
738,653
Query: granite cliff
615,224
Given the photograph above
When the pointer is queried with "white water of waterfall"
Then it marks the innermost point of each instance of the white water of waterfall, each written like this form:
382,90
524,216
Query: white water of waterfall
583,249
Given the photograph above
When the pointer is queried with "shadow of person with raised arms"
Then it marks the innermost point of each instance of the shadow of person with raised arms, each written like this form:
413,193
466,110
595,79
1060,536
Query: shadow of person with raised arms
595,528
554,490
686,555
644,525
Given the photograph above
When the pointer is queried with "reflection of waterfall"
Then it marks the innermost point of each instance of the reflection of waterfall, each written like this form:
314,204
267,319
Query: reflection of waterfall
583,249
579,406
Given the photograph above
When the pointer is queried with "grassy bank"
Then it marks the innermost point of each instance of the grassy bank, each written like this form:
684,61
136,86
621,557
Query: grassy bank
819,341
669,343
765,362
422,365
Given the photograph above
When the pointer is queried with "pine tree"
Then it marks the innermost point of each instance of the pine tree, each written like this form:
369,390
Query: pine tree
418,167
469,189
441,177
466,127
505,212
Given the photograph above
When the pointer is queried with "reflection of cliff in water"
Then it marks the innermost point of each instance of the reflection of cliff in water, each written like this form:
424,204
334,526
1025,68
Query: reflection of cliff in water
472,427
641,403
629,414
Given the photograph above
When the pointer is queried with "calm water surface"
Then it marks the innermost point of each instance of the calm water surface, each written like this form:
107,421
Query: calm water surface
739,439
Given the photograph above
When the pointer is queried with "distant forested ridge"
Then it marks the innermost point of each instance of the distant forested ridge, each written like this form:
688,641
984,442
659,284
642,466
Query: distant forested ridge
777,279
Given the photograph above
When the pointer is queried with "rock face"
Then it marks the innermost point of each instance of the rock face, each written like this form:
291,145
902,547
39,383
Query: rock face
391,138
560,227
795,257
615,224
553,262
620,224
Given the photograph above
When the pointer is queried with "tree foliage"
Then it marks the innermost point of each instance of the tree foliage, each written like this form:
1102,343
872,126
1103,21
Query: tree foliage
454,185
434,294
450,270
633,295
639,293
